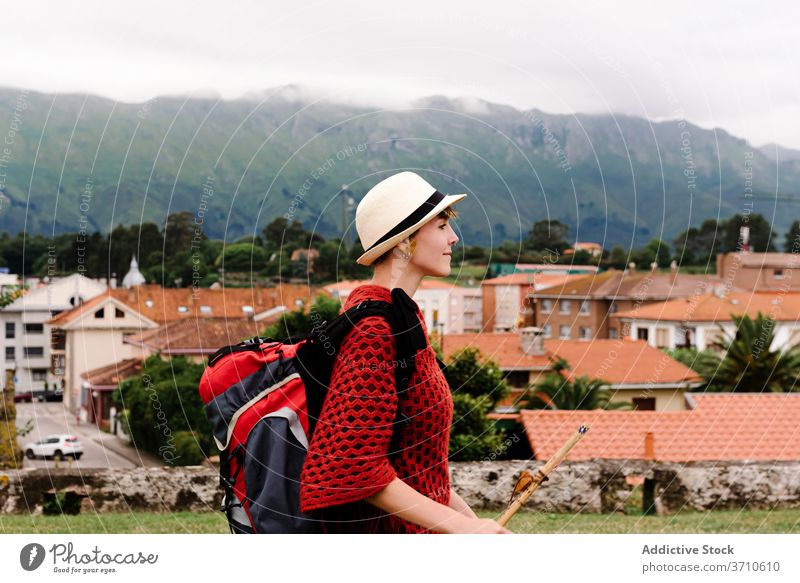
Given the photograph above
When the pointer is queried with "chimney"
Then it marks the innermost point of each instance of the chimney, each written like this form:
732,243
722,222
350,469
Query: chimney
653,267
649,446
531,341
673,271
631,268
744,237
113,283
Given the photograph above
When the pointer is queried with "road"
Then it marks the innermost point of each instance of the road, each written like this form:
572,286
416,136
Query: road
51,418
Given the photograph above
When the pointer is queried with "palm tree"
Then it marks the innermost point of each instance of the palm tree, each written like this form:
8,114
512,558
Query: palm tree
749,365
557,392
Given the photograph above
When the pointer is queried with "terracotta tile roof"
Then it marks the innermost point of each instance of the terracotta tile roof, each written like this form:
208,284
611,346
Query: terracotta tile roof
620,362
502,347
113,374
722,426
167,304
196,335
643,286
710,308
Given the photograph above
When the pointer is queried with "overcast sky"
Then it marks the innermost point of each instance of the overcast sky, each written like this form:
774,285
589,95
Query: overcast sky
732,65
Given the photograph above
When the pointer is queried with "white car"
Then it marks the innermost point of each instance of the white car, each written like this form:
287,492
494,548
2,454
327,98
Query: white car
57,446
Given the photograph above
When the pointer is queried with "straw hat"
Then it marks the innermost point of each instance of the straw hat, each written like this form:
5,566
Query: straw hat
393,209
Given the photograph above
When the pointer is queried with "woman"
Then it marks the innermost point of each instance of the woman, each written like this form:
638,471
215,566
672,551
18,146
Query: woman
352,479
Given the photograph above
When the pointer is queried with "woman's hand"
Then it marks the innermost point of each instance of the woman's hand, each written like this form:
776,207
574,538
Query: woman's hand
479,526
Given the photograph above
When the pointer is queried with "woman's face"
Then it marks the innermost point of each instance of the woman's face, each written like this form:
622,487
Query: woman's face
435,241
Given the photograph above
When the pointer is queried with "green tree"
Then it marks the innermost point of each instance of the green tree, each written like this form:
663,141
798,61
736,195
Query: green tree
548,234
656,250
581,393
163,413
703,362
699,246
299,322
749,364
476,386
242,257
618,258
762,237
792,244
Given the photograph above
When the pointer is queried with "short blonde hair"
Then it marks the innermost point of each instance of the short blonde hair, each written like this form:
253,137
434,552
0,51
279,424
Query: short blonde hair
447,213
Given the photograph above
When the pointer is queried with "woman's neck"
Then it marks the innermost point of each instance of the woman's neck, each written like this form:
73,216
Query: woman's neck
407,279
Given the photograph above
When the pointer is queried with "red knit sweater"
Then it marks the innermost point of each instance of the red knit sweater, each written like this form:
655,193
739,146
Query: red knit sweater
347,458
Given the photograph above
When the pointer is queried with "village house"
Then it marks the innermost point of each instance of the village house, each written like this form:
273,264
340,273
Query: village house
695,321
506,299
635,372
447,308
29,347
93,334
583,309
759,271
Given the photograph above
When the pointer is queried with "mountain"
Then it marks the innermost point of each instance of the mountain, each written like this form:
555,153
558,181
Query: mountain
82,161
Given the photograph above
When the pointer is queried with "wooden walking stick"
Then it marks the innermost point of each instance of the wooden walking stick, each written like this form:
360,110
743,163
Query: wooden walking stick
528,483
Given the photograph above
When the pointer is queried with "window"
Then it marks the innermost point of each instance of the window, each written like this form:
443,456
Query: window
10,353
34,328
564,332
613,333
641,333
100,314
182,309
564,306
34,351
662,337
645,404
612,309
148,303
586,333
247,309
518,378
205,309
547,305
547,331
39,374
435,317
778,274
10,329
118,313
585,307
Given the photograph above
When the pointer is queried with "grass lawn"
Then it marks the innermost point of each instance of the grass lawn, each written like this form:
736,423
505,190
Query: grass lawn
726,521
722,521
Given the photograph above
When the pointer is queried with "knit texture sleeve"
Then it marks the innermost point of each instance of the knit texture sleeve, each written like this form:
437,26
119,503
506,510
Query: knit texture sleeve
347,456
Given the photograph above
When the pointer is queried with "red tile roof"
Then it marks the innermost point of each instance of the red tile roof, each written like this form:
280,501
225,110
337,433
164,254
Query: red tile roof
502,347
112,374
722,426
642,286
196,335
162,304
711,308
620,362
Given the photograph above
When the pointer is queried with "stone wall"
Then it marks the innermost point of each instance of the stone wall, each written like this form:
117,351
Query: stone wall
599,486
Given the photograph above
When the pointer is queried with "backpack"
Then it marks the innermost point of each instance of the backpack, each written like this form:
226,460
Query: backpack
263,398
